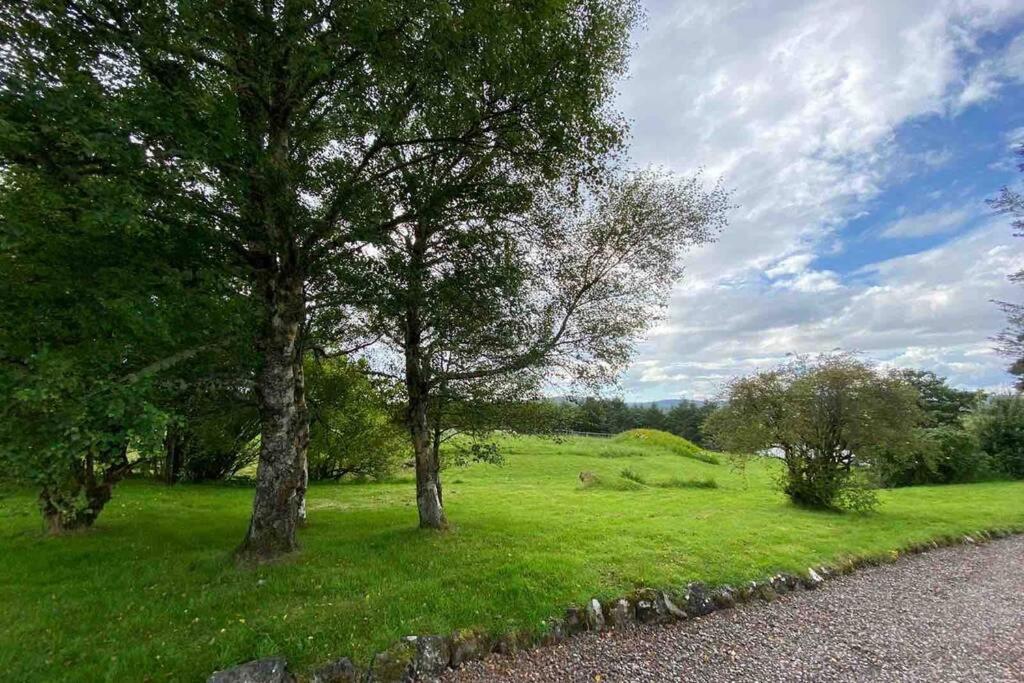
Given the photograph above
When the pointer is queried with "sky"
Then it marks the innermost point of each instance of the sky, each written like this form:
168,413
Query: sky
861,140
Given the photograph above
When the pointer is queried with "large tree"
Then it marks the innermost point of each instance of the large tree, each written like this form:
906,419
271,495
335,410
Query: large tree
482,307
281,126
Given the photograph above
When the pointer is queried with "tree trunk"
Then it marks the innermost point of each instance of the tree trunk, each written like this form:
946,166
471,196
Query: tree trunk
417,384
428,475
62,506
302,434
279,389
172,454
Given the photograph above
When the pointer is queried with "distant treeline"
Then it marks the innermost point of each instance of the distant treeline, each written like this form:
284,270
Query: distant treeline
613,415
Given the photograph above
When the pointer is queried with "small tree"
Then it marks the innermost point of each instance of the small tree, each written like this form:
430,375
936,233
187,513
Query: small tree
823,415
481,307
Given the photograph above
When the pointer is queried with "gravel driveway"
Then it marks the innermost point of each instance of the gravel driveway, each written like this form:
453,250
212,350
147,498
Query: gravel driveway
955,614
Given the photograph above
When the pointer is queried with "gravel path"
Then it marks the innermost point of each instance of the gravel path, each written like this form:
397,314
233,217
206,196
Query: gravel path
955,614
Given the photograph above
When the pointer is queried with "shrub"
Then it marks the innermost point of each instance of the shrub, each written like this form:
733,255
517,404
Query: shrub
939,455
825,416
998,426
351,429
633,476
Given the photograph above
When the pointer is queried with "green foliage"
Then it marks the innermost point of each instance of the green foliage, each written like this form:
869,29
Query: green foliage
265,144
156,580
104,305
669,442
633,476
942,404
825,416
998,427
352,428
938,455
219,440
686,419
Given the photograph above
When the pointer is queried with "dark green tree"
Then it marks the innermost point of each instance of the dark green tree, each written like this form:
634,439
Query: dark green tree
279,128
108,294
942,404
686,419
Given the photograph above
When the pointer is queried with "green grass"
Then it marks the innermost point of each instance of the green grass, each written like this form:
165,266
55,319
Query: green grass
152,592
668,442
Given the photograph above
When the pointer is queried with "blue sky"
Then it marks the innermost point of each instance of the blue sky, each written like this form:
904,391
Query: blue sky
861,140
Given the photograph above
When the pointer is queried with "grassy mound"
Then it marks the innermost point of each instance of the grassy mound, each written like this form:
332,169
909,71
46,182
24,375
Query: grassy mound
669,442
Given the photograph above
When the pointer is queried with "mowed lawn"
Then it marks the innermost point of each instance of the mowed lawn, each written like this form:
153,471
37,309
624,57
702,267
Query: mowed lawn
152,594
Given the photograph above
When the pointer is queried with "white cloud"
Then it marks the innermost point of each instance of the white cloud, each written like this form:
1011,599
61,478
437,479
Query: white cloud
797,106
932,223
931,309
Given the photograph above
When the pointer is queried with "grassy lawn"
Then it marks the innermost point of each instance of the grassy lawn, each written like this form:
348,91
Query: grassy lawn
151,593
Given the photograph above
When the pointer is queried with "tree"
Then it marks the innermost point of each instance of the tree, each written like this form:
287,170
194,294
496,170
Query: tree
941,452
823,415
942,404
480,307
278,128
686,419
998,426
1010,341
652,417
102,303
353,430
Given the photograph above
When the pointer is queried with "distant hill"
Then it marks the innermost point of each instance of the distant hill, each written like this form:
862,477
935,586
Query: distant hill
664,404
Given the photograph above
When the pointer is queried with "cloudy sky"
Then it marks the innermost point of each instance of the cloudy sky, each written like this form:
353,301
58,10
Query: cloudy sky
861,140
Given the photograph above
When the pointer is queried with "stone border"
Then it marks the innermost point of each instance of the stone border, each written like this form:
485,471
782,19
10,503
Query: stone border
425,658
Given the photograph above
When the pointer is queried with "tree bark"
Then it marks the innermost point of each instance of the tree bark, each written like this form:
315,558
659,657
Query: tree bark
172,455
279,389
62,505
417,383
428,474
302,434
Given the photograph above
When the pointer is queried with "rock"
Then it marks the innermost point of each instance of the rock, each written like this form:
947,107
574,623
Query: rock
593,615
588,478
698,600
618,613
655,607
761,590
724,597
467,646
339,671
812,579
432,656
513,642
394,665
575,621
554,634
784,583
269,670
